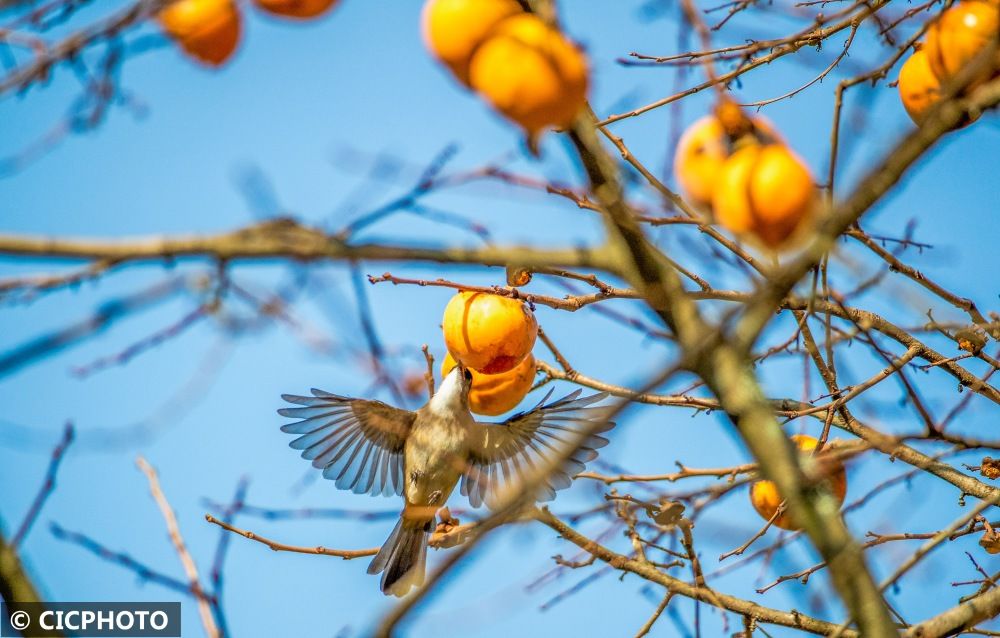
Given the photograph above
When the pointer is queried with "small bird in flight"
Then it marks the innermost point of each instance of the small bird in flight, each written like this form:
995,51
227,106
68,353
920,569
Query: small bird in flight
369,447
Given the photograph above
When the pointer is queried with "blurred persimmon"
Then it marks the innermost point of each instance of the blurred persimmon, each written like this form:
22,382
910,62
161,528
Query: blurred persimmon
919,88
958,35
207,30
296,9
701,151
454,29
764,192
764,494
531,73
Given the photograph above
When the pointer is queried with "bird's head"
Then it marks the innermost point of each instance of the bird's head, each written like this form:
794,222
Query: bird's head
454,390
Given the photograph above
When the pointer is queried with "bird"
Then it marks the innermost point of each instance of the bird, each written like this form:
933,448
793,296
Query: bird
370,447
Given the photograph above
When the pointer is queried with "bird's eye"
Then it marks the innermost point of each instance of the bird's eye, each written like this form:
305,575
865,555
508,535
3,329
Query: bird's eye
468,375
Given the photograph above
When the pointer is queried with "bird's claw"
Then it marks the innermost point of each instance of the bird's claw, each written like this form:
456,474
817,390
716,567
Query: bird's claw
447,522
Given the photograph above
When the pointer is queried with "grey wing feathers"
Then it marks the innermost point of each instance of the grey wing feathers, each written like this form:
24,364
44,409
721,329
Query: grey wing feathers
357,443
502,453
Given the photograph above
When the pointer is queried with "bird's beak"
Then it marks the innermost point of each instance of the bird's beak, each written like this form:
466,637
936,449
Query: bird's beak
465,374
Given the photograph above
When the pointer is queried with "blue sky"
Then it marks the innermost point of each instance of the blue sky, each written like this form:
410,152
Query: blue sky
309,106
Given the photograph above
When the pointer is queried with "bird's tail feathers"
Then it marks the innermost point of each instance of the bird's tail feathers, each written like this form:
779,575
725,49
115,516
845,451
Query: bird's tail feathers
403,557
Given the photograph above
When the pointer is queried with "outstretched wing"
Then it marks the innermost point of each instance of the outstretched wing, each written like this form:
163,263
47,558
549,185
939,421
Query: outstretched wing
357,443
503,453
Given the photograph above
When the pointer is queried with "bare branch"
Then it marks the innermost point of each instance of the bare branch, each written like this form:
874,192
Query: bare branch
173,530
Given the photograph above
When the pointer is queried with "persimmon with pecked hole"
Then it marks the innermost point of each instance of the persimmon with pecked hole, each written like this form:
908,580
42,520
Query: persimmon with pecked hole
295,9
454,29
764,494
488,333
494,394
765,193
531,73
207,30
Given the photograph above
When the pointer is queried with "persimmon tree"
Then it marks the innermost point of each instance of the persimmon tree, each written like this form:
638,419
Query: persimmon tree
771,278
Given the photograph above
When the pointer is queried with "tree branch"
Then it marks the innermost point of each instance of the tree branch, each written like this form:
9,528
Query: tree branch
703,594
288,239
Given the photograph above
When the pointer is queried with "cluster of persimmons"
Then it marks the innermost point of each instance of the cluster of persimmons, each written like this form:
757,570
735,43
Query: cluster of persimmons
741,170
954,40
492,336
526,69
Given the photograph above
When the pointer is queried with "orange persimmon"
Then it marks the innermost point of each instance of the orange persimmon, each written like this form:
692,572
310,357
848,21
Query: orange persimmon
701,151
295,9
488,333
454,29
765,192
207,30
764,494
958,35
531,73
494,394
919,88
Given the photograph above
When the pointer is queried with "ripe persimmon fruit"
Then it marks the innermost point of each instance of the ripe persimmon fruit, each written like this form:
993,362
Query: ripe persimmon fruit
764,494
531,73
488,333
494,394
207,30
919,88
454,29
296,9
701,151
765,192
957,36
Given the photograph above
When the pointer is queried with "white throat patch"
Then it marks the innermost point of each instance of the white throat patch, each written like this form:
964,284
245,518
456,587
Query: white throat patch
448,397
